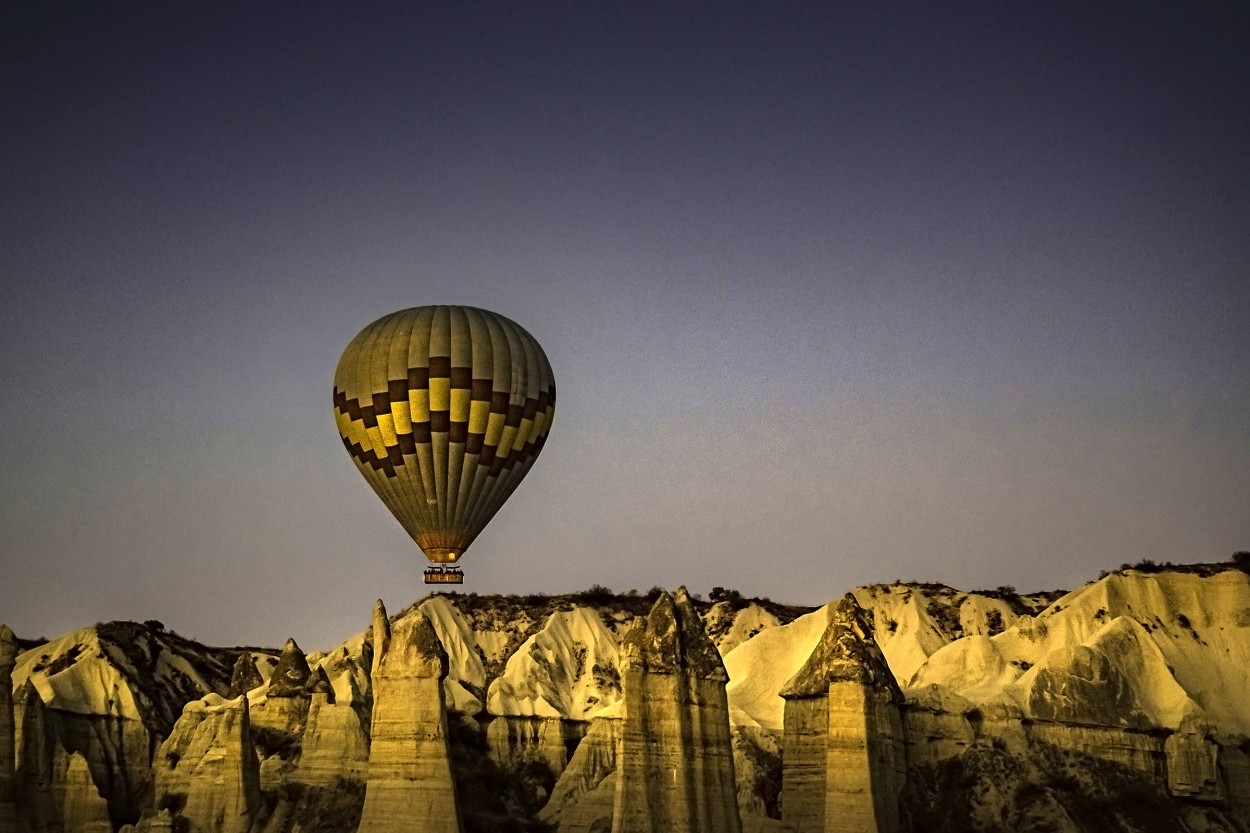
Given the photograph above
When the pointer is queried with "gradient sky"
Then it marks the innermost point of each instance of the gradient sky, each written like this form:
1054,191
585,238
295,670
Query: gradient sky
834,294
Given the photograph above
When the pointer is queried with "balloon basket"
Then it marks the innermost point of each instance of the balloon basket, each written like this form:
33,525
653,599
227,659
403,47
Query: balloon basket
444,575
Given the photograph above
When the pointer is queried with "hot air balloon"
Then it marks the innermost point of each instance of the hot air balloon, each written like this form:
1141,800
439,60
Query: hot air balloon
444,410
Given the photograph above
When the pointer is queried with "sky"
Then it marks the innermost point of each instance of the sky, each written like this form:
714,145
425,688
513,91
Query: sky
834,293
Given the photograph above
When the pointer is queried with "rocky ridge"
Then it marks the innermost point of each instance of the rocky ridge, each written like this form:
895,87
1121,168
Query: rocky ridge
1139,673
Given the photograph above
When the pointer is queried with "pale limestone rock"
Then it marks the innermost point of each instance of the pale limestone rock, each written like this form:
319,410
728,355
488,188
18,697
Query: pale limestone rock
512,739
582,798
760,667
675,765
409,785
757,761
56,791
844,759
334,743
8,794
209,761
83,809
347,669
283,705
465,685
729,628
570,669
381,635
1193,761
114,745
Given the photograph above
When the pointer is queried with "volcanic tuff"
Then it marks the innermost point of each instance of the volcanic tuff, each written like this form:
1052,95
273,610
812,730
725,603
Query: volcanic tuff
844,764
409,785
675,722
1134,685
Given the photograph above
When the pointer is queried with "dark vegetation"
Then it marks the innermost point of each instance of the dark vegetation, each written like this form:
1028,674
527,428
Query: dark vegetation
332,809
767,765
1098,796
1240,560
527,613
495,798
50,665
139,649
270,742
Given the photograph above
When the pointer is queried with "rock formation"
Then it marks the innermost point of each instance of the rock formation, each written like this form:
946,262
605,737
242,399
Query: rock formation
110,693
8,794
728,628
518,739
244,677
291,674
569,669
409,785
82,808
381,636
284,705
334,743
844,763
1138,681
207,770
675,765
56,791
583,797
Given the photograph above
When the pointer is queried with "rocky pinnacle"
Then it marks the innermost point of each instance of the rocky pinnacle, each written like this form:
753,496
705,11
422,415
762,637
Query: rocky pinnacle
245,676
291,674
409,787
676,769
381,635
847,652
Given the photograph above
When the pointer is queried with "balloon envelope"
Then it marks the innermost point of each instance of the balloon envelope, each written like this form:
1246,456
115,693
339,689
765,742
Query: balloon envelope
444,410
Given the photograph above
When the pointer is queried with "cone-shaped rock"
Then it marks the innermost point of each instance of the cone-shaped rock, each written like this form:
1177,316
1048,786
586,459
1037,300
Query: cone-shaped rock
291,674
319,683
8,794
409,787
844,762
245,677
675,771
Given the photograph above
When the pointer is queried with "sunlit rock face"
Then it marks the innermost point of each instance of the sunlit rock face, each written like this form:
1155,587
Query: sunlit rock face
583,798
334,745
410,785
515,740
207,771
568,669
110,693
844,764
56,791
675,765
728,628
1151,671
1136,681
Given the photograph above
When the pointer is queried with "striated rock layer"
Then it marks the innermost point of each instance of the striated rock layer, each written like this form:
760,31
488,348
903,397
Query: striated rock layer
582,800
207,771
675,770
844,764
409,787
